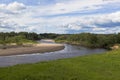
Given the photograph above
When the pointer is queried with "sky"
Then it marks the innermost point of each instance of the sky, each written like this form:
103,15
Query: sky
60,16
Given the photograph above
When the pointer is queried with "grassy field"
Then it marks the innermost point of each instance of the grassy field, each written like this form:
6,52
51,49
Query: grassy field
91,67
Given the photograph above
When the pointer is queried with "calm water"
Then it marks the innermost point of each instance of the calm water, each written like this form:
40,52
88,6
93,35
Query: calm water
67,52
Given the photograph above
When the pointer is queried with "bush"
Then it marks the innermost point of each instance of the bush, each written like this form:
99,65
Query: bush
91,40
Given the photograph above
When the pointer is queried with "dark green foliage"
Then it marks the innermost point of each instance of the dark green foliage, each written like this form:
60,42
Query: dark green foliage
48,36
30,36
91,40
13,37
18,38
84,39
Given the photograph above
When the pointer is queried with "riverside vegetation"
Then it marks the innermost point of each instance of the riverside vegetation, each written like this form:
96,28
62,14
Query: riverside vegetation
25,43
91,40
18,39
104,66
83,39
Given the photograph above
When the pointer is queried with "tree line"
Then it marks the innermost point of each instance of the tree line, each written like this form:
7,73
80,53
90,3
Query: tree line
91,40
19,38
84,39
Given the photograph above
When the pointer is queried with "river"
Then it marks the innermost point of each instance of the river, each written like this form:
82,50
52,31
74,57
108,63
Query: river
68,52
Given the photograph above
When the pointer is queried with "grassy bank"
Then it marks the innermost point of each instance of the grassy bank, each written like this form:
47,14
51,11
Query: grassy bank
91,67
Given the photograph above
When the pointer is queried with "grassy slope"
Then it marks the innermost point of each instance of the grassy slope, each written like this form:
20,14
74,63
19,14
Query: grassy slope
90,67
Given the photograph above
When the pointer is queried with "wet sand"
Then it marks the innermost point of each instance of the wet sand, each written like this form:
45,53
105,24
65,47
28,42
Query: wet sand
37,48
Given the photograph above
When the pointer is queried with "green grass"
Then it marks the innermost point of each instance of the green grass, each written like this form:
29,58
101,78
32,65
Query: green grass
91,67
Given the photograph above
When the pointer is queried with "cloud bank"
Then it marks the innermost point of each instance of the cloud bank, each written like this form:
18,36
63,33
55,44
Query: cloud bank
95,16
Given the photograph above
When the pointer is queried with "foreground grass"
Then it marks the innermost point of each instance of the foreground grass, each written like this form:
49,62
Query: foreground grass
91,67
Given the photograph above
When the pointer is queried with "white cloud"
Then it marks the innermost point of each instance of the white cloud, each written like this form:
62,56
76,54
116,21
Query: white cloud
35,18
72,6
98,29
112,30
14,7
73,23
74,27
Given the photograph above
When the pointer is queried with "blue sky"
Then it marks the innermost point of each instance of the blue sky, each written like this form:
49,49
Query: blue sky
60,16
30,2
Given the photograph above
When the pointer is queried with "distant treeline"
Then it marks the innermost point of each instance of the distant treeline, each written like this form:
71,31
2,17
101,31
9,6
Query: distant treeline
84,39
29,36
91,40
18,38
48,36
21,37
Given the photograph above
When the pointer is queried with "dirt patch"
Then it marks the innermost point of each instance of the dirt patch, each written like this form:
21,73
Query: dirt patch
36,48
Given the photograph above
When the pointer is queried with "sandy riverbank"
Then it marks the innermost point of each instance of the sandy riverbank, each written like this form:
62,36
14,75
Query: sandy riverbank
37,48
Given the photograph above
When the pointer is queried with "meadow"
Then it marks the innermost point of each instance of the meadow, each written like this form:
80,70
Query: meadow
104,66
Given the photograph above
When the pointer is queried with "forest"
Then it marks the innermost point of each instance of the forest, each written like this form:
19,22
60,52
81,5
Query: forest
91,40
22,37
84,39
18,38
